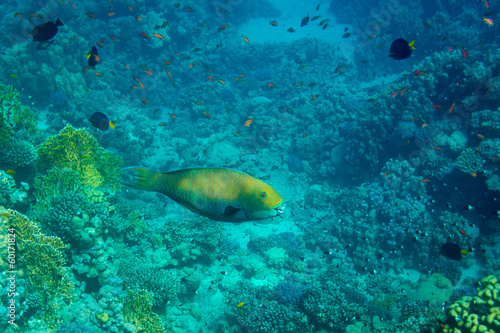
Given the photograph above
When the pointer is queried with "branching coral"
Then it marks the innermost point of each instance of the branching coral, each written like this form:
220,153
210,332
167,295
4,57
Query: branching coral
43,258
13,115
137,309
77,150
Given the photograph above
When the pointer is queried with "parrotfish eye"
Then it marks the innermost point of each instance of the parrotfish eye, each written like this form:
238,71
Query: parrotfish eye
263,194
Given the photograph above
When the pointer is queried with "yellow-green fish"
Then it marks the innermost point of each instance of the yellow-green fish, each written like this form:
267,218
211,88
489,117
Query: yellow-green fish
217,193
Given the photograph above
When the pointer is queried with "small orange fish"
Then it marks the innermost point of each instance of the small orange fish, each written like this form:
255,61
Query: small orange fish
270,85
402,92
129,8
414,118
486,4
419,73
72,5
248,122
488,21
89,15
164,24
436,148
222,27
133,87
158,36
172,115
162,124
210,77
273,23
191,65
221,82
189,9
18,15
452,106
304,135
436,106
206,114
480,136
168,73
473,174
142,85
425,125
245,39
136,79
111,13
386,173
394,93
298,84
199,103
462,232
145,35
139,18
126,66
426,181
148,72
313,98
144,101
465,54
98,74
166,62
495,158
100,45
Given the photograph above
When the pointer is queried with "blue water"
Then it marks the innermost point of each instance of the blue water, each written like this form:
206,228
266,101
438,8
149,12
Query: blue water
379,162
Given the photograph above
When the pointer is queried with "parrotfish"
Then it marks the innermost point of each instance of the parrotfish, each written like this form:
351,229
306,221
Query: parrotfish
217,193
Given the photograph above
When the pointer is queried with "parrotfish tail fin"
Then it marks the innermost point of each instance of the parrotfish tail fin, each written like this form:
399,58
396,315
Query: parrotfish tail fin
58,22
142,178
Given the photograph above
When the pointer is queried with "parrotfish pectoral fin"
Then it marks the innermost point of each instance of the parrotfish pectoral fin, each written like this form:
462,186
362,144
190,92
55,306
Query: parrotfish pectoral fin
142,178
231,210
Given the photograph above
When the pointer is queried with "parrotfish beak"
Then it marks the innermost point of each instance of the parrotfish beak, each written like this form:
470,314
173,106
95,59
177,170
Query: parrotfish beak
280,209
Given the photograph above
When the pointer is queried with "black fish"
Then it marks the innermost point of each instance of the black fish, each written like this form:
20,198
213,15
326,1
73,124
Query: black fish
100,121
324,27
46,31
346,35
400,49
314,18
451,251
290,29
93,57
305,20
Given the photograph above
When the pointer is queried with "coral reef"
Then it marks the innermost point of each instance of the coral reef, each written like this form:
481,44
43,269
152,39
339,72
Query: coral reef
478,313
77,150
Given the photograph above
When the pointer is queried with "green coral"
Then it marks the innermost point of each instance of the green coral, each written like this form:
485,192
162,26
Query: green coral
162,284
479,313
469,161
137,310
44,262
13,115
77,150
19,154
